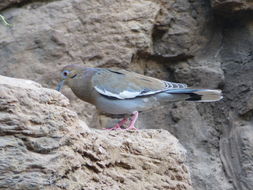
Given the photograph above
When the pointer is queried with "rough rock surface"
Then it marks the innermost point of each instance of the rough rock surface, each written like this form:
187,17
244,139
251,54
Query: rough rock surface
232,6
236,144
44,145
7,3
202,43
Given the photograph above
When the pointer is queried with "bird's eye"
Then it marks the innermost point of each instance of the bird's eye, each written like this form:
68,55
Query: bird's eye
65,73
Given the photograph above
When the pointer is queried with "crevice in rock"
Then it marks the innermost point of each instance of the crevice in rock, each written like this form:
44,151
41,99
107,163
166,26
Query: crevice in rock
248,116
236,59
22,3
89,155
68,172
123,165
163,58
228,12
92,167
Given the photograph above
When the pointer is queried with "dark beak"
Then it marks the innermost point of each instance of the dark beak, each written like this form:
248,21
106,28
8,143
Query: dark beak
60,85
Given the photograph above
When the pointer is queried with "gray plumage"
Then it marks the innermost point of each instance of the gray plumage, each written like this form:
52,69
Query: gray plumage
117,91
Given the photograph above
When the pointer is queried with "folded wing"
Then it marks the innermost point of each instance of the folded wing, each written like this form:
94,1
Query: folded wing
123,84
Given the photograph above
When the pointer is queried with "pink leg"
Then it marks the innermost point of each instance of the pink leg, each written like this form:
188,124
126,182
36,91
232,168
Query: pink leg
118,125
133,120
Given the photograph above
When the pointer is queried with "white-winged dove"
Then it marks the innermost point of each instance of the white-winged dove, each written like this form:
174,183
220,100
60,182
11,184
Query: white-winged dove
117,91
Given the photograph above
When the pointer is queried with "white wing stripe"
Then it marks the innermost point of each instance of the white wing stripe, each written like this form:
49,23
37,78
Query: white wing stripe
128,94
107,93
124,94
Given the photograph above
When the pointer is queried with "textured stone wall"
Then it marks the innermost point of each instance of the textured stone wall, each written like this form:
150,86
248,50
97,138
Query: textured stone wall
201,43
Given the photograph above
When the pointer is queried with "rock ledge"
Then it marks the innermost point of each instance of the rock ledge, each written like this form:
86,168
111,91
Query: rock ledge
44,145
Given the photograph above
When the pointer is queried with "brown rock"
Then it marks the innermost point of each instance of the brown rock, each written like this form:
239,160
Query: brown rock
45,146
201,43
59,33
231,6
7,3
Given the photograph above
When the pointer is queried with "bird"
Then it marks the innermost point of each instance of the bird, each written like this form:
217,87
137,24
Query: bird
120,92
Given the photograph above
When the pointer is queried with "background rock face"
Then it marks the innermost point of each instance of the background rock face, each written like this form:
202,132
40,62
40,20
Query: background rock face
45,146
201,43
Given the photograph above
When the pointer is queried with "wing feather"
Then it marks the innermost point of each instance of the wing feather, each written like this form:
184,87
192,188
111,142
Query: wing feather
123,84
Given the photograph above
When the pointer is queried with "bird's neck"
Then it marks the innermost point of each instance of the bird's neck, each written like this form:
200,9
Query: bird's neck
81,85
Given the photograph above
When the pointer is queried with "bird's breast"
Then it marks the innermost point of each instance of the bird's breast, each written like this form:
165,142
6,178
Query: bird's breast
82,89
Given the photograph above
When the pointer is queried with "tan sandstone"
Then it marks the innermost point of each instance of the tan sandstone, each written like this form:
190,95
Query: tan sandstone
44,145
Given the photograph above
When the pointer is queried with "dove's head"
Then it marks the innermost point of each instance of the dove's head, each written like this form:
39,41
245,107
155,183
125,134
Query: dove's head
68,73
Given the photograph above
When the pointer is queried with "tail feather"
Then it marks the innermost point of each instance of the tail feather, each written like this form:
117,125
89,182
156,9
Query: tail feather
206,96
200,95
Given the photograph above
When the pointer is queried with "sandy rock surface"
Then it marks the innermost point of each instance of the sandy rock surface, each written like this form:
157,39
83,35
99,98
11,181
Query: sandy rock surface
202,43
44,145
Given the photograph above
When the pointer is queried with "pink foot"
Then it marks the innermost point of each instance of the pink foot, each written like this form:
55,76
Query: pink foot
118,125
133,120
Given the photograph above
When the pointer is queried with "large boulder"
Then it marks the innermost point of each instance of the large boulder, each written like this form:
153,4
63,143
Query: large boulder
44,145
